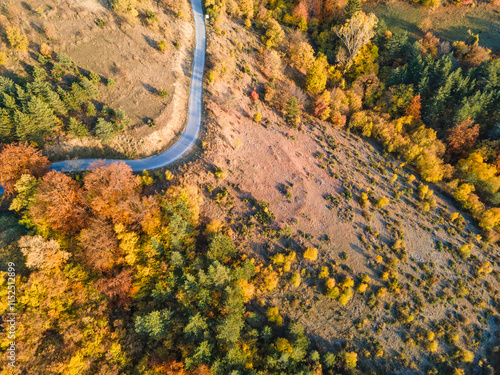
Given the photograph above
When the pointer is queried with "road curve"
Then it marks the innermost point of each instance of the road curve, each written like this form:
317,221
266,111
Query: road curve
192,130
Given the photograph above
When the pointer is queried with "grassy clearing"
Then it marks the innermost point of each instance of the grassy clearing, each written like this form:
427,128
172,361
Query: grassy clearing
449,23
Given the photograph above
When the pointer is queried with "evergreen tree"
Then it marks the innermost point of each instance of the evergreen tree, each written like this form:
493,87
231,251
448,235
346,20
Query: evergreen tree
43,117
352,7
292,111
6,126
25,131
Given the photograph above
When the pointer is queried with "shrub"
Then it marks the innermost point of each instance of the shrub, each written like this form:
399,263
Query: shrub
17,39
324,273
345,296
257,117
274,316
432,346
362,287
162,93
295,279
169,175
330,283
382,202
467,356
289,259
363,200
94,78
311,253
110,83
333,293
161,46
350,359
3,58
151,17
381,292
348,282
465,251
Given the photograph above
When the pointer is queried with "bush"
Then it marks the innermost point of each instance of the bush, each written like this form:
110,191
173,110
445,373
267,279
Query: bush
432,346
110,83
94,78
162,93
161,46
465,251
17,39
345,296
350,359
257,117
3,58
274,316
295,279
382,202
311,253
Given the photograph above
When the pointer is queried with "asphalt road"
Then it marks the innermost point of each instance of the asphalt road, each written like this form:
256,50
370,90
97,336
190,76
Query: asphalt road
192,129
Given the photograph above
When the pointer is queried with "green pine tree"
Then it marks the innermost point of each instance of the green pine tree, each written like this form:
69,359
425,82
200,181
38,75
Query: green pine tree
42,116
352,7
25,131
292,111
6,127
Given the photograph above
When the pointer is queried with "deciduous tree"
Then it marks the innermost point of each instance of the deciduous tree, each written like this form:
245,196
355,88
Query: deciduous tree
354,34
18,159
60,204
461,138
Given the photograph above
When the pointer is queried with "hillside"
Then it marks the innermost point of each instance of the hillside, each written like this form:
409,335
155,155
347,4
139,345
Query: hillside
314,178
146,53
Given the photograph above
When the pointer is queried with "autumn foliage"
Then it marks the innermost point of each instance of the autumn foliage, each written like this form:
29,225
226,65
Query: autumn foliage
60,203
461,138
17,159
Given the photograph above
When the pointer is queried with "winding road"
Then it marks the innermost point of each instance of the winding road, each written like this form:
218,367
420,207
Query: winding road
190,134
192,130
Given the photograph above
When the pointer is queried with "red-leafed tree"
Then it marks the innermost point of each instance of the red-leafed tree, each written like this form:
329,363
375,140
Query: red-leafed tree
112,192
461,138
300,12
18,159
117,288
255,96
60,204
414,109
100,246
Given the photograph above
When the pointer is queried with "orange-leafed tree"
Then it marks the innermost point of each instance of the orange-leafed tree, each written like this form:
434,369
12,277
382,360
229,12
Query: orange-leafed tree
60,204
112,192
300,12
18,159
100,246
414,109
117,288
461,138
